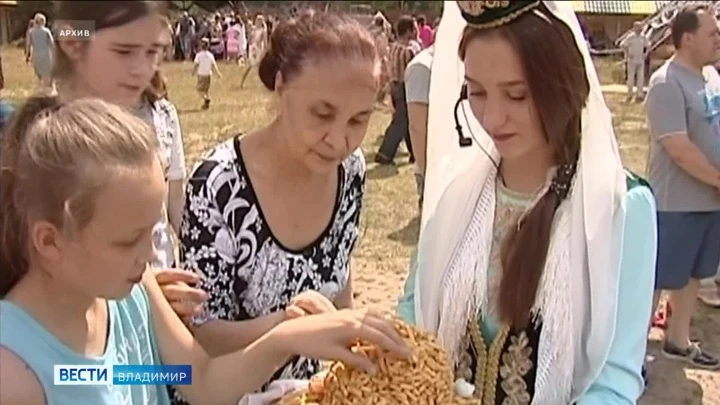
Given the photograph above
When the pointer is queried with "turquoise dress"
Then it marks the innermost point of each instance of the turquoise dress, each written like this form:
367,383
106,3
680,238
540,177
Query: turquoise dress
130,340
620,380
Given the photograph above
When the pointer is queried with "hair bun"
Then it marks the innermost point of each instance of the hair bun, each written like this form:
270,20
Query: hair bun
313,35
268,69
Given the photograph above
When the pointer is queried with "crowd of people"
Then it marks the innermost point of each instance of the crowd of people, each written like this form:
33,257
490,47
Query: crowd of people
538,257
231,35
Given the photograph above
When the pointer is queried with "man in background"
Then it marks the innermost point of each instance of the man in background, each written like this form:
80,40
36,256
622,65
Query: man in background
417,92
683,107
636,46
382,43
186,32
401,53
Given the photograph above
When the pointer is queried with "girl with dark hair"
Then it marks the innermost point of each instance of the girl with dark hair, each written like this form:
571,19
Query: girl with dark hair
119,65
542,284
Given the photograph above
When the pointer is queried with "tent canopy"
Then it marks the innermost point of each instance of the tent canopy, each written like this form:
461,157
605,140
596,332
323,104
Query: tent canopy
656,27
618,7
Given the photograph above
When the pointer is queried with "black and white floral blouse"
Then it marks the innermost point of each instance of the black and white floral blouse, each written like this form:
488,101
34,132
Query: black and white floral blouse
248,273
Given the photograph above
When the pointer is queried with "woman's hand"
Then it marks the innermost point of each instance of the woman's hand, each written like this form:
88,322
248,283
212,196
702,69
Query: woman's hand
330,336
177,286
309,303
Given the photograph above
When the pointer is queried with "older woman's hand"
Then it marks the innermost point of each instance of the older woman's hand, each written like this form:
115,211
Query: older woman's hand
179,289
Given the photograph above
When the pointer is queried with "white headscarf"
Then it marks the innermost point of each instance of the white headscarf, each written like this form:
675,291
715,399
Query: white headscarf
456,176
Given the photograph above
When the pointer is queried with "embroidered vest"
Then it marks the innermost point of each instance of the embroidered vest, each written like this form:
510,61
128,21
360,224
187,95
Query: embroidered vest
504,371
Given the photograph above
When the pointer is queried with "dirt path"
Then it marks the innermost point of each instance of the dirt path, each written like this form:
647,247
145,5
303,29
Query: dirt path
615,88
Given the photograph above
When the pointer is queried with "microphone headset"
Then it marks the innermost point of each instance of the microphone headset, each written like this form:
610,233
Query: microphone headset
463,140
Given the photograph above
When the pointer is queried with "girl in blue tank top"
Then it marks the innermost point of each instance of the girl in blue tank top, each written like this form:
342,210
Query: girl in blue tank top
80,192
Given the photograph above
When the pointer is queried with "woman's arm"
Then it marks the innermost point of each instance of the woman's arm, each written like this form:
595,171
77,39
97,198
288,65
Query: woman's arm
417,97
220,381
620,381
224,380
220,337
176,202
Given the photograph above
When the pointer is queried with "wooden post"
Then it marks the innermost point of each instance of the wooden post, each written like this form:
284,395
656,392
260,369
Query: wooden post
4,25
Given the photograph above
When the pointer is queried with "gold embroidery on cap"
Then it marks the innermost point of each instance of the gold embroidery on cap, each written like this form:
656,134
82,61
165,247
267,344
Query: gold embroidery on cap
476,8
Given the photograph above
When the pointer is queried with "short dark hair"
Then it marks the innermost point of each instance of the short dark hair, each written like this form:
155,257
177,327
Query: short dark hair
405,25
686,22
421,20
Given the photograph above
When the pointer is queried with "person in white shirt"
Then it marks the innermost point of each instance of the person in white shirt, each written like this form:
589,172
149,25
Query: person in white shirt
417,97
204,65
635,45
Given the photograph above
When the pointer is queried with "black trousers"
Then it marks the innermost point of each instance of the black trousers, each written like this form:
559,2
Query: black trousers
399,129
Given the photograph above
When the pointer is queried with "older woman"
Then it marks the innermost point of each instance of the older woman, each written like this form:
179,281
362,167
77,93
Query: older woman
40,52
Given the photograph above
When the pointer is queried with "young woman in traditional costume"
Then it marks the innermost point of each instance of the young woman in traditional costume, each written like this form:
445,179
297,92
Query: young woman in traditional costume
536,259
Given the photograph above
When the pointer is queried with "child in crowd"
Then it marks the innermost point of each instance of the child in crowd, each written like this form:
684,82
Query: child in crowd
204,66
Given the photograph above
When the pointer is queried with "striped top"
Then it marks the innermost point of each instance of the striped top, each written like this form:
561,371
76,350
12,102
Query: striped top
400,56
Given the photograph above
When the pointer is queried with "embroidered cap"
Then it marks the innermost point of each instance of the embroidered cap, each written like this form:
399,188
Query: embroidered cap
490,14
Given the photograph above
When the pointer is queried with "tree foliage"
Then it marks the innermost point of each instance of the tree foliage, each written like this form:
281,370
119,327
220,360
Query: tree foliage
24,11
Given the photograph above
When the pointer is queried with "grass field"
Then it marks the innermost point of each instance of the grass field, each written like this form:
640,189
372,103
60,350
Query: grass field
390,220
